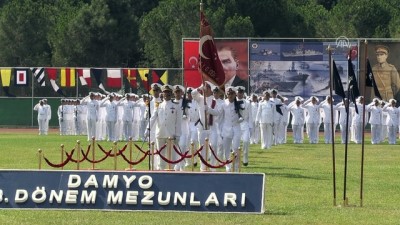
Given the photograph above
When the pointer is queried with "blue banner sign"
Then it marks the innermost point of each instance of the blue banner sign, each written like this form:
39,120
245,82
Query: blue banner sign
144,191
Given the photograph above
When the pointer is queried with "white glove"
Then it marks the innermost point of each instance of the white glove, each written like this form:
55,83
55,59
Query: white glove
205,107
184,117
241,119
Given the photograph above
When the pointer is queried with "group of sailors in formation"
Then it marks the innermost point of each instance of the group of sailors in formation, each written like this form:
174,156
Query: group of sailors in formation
228,119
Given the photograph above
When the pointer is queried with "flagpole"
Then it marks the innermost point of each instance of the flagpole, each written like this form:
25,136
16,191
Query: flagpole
332,126
346,144
363,125
201,71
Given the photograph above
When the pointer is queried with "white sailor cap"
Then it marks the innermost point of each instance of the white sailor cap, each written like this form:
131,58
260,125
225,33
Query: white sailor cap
266,91
230,89
179,87
314,97
392,100
166,87
156,86
298,98
329,97
274,91
376,100
240,88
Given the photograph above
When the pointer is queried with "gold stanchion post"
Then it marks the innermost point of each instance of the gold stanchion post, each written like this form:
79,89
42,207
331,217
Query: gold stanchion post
93,152
78,149
62,155
152,155
40,158
239,161
192,158
233,161
115,155
130,152
207,148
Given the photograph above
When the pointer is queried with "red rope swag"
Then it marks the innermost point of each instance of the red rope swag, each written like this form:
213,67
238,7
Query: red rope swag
120,152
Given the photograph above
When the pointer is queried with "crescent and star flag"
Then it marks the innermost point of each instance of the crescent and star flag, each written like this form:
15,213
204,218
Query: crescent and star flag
130,75
21,77
144,78
210,64
370,80
68,77
52,74
84,76
191,74
97,76
337,82
114,78
353,84
39,75
5,80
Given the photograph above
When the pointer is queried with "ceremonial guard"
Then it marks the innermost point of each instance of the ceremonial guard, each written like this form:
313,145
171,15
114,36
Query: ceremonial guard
246,125
265,117
194,122
230,126
384,132
42,117
92,115
392,120
298,119
313,118
255,130
128,104
69,111
80,118
48,107
277,118
61,118
326,106
343,107
284,121
111,116
167,118
357,120
181,100
143,104
375,120
217,142
206,105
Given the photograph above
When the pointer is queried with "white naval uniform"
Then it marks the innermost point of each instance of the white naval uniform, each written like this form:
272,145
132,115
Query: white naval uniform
357,123
246,125
42,118
392,122
230,131
211,132
375,120
277,123
327,120
61,119
265,117
167,118
255,131
46,127
81,114
92,116
298,119
313,120
111,118
194,121
343,120
127,118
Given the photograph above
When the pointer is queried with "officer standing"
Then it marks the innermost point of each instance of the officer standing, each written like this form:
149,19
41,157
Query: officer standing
386,75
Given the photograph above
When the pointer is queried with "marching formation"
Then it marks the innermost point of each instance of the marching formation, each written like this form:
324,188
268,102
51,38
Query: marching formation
228,119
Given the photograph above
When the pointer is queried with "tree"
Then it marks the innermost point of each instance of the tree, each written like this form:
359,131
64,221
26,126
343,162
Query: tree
23,34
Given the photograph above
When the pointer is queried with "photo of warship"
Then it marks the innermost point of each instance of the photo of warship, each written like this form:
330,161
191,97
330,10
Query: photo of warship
268,52
273,80
300,51
295,75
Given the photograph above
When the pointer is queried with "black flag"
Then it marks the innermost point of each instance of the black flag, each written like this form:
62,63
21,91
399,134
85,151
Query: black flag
337,82
370,80
353,85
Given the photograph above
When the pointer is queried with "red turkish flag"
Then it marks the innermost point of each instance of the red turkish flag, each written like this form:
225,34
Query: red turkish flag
210,64
191,74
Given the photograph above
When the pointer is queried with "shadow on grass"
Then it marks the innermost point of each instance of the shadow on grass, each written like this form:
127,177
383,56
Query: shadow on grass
273,213
297,176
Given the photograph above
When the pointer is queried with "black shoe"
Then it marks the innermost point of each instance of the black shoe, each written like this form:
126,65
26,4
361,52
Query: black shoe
245,164
195,164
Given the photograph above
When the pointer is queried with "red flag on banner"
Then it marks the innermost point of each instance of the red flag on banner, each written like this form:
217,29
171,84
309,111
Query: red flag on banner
114,79
84,76
130,75
210,64
191,74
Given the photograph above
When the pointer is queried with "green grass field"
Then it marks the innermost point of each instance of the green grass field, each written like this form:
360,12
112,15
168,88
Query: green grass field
299,186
